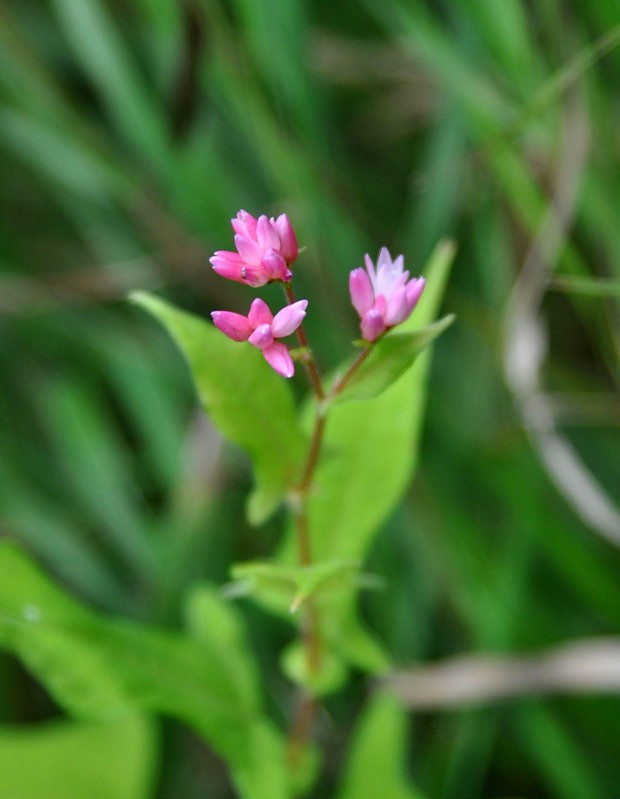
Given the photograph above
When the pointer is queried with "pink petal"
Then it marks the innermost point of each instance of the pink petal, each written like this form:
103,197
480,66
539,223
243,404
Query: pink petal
397,308
266,235
372,325
362,295
232,266
389,273
259,313
248,250
288,240
384,259
275,266
228,264
233,325
254,276
288,319
245,225
414,292
380,305
262,337
278,357
370,268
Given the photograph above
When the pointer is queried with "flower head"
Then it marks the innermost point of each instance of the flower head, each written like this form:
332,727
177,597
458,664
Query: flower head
266,248
260,328
384,297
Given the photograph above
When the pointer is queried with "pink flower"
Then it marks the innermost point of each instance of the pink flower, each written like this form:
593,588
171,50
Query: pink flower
260,328
266,248
383,298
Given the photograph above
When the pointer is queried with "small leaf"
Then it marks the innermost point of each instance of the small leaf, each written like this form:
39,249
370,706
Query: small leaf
273,583
375,766
261,503
330,675
390,358
245,398
333,574
277,583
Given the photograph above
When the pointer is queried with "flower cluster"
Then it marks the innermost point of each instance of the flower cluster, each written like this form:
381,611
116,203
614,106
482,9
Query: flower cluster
384,297
260,327
266,250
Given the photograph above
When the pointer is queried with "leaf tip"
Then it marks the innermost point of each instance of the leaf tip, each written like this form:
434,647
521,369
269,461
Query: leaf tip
140,298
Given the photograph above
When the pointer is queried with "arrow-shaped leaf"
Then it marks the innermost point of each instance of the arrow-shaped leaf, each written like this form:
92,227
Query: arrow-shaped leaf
390,358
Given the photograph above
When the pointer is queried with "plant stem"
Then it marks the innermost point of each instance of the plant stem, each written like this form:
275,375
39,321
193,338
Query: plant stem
303,722
301,729
303,537
311,368
361,357
313,453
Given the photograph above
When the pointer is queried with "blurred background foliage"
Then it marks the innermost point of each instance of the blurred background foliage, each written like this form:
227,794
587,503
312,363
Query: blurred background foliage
130,132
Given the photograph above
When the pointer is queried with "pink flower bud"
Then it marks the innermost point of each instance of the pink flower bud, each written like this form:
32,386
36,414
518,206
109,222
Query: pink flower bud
259,313
233,325
414,291
397,309
228,264
274,265
288,319
383,297
266,234
249,250
245,224
262,337
360,287
279,358
288,240
372,325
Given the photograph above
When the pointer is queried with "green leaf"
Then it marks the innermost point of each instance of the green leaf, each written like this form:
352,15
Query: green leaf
557,754
244,397
60,759
592,286
390,358
294,584
375,766
218,623
101,668
330,675
107,59
59,157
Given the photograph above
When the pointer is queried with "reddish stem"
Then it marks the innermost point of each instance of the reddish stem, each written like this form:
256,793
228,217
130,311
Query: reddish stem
361,357
301,729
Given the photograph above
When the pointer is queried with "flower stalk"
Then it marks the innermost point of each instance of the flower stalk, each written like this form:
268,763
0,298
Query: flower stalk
384,296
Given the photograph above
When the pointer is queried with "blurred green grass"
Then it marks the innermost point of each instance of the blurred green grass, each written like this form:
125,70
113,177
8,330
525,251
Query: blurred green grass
131,132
